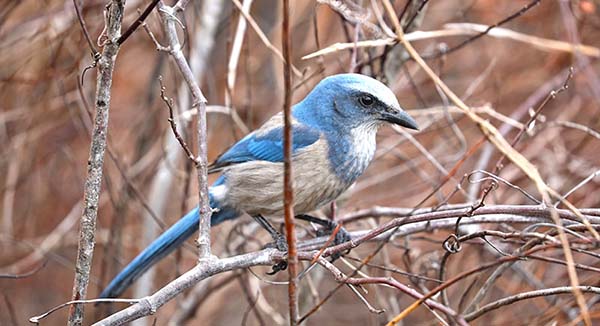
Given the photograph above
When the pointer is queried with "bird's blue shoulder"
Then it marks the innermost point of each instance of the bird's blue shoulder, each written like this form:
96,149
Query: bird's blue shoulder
266,145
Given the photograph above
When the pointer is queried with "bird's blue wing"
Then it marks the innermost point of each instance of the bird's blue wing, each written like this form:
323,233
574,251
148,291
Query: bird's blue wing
265,146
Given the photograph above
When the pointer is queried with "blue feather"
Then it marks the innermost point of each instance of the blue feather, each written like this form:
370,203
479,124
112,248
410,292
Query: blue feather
167,242
266,147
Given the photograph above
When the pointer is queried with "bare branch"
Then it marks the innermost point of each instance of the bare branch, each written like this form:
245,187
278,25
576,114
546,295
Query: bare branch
150,304
527,295
288,187
199,101
173,123
95,165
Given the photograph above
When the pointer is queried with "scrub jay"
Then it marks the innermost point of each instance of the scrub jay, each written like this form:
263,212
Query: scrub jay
333,130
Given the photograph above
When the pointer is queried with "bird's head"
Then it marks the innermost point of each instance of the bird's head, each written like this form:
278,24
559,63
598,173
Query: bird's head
354,100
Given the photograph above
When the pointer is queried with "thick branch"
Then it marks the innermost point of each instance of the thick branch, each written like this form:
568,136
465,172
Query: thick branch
95,164
150,304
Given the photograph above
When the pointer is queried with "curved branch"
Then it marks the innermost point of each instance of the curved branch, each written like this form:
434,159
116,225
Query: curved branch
207,268
528,295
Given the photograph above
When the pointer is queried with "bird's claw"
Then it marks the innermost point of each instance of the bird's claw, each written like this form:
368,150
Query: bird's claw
280,266
279,243
340,237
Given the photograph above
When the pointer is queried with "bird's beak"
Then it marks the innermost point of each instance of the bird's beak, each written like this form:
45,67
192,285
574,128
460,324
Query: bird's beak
400,118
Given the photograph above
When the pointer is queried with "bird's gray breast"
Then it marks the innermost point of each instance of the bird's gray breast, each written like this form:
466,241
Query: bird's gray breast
256,187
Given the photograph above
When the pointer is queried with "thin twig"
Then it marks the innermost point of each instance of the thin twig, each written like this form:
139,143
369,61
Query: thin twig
86,34
173,123
463,275
188,307
139,21
579,185
341,277
462,44
26,274
527,295
288,190
199,101
263,37
234,57
37,319
459,29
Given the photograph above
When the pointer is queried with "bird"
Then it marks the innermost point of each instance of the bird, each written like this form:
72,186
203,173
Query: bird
333,141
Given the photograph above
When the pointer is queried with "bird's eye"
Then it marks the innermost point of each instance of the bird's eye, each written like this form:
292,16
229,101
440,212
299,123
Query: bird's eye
366,100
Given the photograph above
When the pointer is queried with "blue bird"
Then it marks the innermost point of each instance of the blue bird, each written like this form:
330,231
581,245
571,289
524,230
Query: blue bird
334,129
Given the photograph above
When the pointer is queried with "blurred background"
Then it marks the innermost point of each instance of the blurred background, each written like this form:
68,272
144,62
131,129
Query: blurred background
45,138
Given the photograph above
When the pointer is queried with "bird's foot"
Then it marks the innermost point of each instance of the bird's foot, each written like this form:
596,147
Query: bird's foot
279,243
280,266
340,237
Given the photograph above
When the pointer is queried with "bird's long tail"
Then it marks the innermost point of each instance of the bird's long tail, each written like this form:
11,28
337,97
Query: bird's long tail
167,242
